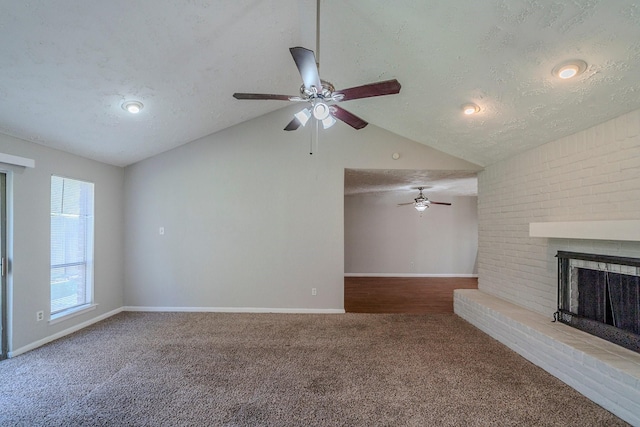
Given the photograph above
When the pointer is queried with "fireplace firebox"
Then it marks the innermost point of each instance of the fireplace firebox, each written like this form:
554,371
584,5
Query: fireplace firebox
600,294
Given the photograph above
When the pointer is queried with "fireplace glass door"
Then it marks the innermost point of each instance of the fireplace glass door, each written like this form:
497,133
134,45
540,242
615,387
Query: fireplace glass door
601,295
609,297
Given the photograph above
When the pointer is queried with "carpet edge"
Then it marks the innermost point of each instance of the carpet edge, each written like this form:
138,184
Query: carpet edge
63,333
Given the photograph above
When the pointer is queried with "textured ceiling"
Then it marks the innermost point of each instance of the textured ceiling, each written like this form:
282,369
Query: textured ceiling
441,182
66,68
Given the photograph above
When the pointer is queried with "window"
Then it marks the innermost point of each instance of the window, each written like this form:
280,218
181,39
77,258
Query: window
71,245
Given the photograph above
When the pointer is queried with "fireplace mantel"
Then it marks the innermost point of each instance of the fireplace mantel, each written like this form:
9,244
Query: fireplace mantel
628,230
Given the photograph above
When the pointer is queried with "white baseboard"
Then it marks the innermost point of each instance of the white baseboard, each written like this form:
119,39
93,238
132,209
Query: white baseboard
235,310
61,334
406,275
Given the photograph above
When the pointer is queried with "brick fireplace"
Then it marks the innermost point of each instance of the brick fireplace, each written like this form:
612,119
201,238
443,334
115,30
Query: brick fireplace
582,192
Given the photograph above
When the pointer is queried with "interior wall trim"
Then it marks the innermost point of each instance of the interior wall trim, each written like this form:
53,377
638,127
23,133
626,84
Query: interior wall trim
236,310
61,334
407,275
10,159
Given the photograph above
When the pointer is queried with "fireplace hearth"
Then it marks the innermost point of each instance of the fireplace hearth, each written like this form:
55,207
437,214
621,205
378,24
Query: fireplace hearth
600,294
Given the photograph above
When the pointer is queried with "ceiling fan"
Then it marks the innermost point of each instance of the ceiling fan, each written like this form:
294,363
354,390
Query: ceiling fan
421,202
322,95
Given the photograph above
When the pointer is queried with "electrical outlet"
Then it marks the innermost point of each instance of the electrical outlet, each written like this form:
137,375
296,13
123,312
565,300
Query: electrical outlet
39,315
314,291
161,231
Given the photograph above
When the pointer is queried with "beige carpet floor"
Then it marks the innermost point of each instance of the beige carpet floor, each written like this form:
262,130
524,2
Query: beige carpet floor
214,369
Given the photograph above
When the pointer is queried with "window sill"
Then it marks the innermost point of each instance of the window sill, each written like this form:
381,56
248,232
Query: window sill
72,312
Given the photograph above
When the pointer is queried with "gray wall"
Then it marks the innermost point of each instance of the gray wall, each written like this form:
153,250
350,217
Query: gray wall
29,271
250,218
381,237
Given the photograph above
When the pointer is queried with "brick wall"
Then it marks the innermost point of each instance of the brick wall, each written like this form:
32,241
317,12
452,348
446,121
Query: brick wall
591,175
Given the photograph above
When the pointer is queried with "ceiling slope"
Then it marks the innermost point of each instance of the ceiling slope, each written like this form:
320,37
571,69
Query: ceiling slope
66,68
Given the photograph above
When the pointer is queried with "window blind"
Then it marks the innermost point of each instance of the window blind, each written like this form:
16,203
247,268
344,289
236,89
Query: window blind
71,243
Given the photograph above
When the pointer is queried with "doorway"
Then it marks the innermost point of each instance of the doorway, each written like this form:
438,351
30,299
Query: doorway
401,259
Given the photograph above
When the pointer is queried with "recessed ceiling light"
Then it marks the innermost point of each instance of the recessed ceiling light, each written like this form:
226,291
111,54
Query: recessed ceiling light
133,107
469,109
569,69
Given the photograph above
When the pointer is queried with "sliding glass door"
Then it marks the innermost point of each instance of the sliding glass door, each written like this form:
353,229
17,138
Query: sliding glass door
3,267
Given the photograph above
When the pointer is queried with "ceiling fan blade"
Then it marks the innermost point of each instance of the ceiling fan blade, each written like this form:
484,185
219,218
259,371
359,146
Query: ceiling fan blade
306,62
293,124
439,203
347,117
405,204
264,96
387,87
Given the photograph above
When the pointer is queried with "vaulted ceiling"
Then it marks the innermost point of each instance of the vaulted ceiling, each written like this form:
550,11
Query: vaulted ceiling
67,67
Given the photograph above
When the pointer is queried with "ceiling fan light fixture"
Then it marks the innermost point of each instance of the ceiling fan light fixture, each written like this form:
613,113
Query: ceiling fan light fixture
421,203
320,110
421,206
328,122
470,108
569,69
132,107
318,92
303,116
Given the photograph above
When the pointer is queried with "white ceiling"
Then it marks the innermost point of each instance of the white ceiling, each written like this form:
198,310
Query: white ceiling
66,68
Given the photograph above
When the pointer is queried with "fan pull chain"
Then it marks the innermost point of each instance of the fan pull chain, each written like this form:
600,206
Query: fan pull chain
317,129
315,134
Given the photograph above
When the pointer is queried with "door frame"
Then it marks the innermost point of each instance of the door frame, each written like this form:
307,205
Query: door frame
4,268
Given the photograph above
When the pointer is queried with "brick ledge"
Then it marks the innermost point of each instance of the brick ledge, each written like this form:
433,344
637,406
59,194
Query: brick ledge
604,372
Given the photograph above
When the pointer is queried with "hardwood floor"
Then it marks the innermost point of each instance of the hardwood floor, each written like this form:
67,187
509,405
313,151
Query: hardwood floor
417,295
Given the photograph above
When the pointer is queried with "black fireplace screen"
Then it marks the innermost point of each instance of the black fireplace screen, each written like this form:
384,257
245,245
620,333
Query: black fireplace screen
600,295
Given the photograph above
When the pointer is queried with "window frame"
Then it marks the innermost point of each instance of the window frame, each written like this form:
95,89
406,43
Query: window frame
88,262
